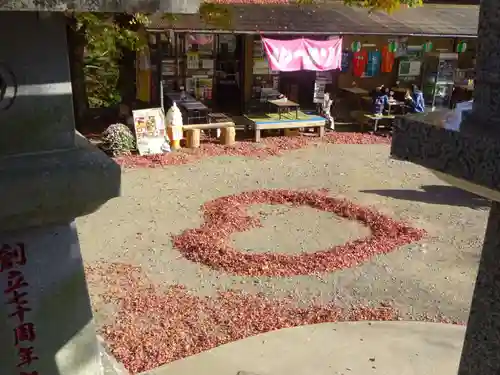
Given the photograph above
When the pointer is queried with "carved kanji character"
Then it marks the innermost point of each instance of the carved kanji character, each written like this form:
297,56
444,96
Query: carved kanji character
15,281
26,356
24,332
12,256
21,305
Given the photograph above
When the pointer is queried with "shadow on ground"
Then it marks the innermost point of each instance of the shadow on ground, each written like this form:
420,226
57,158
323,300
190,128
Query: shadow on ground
436,194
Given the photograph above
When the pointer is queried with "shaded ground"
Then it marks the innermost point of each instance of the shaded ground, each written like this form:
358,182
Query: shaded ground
433,276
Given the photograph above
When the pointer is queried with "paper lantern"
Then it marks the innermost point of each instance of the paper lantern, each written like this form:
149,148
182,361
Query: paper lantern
461,47
427,47
393,46
356,46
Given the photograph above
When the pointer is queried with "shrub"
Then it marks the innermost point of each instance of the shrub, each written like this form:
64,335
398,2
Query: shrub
118,139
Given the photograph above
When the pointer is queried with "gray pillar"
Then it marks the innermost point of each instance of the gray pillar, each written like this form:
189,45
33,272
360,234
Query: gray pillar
481,351
48,177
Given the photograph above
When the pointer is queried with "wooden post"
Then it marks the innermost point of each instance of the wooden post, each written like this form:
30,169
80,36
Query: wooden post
228,136
257,135
193,138
321,131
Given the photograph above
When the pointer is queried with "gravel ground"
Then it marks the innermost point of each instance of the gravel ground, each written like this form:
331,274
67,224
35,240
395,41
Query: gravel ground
435,275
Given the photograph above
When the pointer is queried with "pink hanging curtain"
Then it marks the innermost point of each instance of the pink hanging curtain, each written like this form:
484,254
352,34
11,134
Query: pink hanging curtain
303,54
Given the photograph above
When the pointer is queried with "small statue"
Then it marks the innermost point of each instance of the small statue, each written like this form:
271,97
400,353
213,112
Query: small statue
326,109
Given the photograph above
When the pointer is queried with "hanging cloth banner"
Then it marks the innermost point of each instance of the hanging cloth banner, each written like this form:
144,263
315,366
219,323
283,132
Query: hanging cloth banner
303,54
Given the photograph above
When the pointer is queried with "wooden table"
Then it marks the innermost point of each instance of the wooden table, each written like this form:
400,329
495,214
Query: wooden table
376,119
285,104
195,110
395,103
356,91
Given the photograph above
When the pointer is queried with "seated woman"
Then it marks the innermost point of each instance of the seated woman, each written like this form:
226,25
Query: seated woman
415,100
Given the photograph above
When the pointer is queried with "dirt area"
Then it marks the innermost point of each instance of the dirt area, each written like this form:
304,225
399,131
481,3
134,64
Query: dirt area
434,275
292,230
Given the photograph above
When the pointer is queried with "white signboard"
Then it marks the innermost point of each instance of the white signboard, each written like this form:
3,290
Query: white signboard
150,130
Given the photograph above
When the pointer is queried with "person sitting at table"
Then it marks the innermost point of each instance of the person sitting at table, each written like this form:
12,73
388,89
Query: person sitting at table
380,102
376,92
415,100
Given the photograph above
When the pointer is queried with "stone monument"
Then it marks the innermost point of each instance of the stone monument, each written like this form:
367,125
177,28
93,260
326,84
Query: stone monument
469,158
48,176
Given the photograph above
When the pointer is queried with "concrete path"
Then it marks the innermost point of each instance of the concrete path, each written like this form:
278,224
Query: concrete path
360,348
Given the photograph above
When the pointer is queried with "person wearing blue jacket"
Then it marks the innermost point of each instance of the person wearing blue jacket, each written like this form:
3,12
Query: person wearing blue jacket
380,101
415,100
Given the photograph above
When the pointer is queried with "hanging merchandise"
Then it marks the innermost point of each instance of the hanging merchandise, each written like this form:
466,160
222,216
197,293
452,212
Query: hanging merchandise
461,47
392,46
356,46
387,60
193,60
373,64
345,64
359,60
427,47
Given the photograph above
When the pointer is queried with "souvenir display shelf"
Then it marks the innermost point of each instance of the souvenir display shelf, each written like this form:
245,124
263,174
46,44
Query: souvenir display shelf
171,65
199,65
438,78
265,83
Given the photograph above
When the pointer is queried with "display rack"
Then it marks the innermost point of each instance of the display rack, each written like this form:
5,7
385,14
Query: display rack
199,64
438,78
265,83
171,67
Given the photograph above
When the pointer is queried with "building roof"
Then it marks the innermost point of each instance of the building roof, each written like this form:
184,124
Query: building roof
332,17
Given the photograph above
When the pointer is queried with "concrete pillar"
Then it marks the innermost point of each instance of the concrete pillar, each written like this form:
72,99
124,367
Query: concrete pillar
48,177
481,351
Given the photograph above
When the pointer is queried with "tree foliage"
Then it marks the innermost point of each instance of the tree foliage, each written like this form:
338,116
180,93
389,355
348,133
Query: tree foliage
106,40
388,6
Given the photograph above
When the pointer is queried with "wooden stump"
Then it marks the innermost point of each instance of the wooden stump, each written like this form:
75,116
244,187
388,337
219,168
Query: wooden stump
228,136
257,135
321,131
193,138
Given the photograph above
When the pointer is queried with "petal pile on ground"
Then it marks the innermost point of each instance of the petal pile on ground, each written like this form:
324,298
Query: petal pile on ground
270,146
154,327
224,216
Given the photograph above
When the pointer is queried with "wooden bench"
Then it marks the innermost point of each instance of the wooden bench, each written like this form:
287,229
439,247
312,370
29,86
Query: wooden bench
258,127
193,133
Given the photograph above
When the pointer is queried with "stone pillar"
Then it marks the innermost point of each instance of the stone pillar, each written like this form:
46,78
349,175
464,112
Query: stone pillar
481,350
486,111
48,177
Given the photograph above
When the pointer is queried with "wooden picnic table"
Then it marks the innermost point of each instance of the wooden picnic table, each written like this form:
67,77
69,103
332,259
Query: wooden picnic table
377,118
356,90
285,104
396,103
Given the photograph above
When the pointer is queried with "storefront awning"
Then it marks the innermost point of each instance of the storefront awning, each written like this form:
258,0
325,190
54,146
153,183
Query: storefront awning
334,18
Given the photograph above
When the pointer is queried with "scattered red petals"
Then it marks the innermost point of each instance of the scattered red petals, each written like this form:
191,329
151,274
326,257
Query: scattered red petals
270,146
209,244
153,327
350,138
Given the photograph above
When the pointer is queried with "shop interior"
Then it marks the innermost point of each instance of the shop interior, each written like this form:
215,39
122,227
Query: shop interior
229,73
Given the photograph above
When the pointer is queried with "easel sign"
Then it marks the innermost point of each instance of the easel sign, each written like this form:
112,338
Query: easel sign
150,130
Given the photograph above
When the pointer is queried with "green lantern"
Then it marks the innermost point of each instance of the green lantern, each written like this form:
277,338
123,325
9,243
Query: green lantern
427,47
393,46
356,46
461,47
